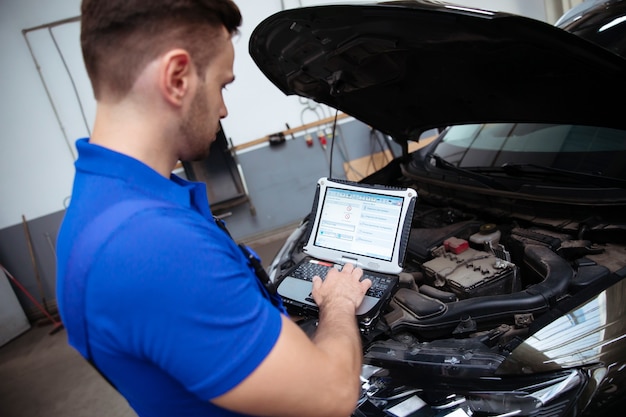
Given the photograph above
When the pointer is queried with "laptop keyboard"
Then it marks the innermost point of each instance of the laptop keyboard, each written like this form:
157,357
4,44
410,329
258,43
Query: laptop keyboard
307,270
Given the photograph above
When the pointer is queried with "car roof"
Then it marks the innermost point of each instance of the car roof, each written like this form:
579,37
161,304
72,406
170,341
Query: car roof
407,66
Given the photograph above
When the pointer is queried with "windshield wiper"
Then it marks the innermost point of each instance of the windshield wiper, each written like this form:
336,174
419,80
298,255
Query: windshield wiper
483,179
589,179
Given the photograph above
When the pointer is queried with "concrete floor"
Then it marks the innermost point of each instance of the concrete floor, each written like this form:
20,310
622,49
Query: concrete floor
41,375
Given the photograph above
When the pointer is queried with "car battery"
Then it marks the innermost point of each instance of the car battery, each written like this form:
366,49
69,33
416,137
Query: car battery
468,272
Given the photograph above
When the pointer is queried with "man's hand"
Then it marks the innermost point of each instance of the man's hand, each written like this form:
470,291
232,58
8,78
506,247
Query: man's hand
341,289
330,363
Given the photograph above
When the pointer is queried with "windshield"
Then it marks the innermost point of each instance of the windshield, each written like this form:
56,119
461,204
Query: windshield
583,149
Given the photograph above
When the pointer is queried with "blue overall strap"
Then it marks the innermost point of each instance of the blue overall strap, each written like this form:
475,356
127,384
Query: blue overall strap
267,287
88,242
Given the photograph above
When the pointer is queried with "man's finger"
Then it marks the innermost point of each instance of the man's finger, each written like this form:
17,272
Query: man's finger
317,281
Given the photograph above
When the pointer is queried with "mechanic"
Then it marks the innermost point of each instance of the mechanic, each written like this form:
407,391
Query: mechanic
152,291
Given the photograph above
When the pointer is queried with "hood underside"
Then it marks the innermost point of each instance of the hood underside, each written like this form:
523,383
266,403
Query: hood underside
406,66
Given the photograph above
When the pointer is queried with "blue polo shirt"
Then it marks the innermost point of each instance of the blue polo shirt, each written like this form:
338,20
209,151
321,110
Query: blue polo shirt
174,314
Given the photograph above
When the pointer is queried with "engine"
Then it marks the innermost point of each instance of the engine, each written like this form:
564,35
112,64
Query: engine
469,273
464,275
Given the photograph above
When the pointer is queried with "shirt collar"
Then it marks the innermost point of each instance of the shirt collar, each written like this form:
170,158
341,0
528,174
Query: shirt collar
106,162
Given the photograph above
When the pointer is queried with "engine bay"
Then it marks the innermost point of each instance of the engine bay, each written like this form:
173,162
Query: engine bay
478,282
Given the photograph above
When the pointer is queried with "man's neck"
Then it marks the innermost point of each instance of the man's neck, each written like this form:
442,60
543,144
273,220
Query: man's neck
136,134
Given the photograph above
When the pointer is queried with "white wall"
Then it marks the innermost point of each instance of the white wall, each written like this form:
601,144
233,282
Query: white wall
36,154
35,166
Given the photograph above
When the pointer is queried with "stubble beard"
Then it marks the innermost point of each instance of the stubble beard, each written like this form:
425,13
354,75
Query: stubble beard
195,130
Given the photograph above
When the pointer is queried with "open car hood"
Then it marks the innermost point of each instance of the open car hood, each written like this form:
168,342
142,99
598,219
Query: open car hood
407,66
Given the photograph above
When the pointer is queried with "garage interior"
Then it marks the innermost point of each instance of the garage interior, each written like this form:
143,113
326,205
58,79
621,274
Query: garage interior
262,187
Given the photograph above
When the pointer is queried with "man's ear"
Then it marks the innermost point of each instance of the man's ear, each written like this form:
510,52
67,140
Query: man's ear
176,72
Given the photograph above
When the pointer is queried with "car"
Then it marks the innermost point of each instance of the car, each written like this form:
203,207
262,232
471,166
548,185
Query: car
512,297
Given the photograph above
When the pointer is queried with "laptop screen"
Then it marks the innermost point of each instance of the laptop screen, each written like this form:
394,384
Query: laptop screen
359,222
366,225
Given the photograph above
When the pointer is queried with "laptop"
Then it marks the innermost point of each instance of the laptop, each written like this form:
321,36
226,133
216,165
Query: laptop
365,225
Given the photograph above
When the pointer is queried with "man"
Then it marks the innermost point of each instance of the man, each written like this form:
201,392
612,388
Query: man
151,290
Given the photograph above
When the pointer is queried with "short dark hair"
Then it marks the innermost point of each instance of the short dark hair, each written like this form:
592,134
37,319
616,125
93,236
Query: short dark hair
120,37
